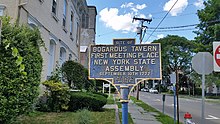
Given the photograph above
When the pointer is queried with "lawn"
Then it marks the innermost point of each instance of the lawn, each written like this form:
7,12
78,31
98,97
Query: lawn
107,116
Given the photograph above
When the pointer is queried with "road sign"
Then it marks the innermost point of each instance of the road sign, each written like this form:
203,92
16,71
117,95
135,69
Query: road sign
125,62
106,85
216,56
173,78
202,63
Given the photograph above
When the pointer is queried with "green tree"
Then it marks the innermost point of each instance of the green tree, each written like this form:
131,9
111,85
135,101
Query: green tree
74,74
209,26
176,54
20,69
209,29
90,85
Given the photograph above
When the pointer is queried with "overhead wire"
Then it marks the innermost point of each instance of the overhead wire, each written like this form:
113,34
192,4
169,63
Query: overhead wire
162,20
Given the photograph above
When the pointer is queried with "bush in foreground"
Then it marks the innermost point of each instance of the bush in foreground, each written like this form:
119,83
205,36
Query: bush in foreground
91,101
20,69
56,97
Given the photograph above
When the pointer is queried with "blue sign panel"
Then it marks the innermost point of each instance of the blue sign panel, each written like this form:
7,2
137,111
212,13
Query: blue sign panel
125,61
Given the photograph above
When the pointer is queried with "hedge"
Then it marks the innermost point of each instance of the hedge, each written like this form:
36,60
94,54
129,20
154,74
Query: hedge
20,69
91,101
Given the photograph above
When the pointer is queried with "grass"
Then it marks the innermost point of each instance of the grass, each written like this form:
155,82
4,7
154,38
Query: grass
130,121
110,100
164,119
107,116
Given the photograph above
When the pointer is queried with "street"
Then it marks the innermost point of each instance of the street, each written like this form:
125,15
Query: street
193,106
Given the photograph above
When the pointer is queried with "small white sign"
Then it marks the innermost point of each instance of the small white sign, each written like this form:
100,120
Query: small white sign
173,78
106,85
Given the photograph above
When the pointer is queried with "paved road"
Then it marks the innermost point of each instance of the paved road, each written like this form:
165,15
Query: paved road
193,106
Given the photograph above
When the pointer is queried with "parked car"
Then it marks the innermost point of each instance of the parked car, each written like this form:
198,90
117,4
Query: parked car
145,89
152,90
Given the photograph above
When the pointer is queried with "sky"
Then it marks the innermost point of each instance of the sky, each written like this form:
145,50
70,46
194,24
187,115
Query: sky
115,19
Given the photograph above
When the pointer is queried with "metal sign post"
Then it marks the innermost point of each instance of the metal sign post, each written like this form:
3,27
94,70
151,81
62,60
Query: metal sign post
124,64
173,81
202,63
124,101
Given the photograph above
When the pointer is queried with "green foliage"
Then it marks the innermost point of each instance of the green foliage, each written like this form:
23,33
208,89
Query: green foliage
81,100
208,29
73,73
84,117
56,97
176,53
56,74
20,69
90,85
198,91
99,93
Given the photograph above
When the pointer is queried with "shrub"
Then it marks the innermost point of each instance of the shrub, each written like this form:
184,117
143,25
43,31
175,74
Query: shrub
198,91
20,69
73,73
81,100
56,98
99,93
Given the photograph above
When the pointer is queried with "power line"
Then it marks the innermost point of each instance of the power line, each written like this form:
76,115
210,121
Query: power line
162,20
175,30
182,26
186,14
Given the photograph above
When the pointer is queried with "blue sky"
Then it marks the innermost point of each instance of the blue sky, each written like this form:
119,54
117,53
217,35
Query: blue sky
114,18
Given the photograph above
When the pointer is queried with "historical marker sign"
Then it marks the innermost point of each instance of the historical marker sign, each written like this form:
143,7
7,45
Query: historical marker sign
124,62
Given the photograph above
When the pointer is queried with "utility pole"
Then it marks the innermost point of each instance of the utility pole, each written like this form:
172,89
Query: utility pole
140,38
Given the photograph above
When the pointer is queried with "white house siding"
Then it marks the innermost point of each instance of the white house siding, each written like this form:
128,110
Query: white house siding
36,13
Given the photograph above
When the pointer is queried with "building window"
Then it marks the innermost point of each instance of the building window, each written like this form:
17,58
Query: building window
2,7
62,55
70,57
85,21
71,23
64,12
51,57
77,34
54,7
41,1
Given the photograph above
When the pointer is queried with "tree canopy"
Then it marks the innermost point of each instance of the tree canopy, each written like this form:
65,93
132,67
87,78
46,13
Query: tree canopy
74,74
176,53
209,31
209,26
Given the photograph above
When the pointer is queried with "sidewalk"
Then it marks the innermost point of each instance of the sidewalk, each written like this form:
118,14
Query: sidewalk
138,114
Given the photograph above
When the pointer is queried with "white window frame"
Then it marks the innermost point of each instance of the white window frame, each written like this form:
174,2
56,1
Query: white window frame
52,49
64,13
62,55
